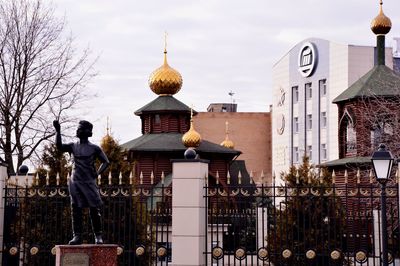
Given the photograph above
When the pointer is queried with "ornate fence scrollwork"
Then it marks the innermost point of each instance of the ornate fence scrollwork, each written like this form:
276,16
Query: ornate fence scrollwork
136,217
311,224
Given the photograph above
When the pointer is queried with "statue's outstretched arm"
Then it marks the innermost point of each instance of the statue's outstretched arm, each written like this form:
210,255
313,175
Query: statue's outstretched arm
60,146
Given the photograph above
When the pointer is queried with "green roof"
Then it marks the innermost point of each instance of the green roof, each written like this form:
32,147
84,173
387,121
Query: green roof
348,161
164,104
380,81
172,142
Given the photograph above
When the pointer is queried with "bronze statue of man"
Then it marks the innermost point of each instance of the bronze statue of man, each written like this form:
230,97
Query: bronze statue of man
82,186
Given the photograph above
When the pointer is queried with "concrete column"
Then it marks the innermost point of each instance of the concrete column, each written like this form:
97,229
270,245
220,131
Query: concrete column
188,212
3,178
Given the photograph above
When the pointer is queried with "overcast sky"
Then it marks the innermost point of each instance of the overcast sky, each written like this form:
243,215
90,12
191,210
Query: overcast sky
217,46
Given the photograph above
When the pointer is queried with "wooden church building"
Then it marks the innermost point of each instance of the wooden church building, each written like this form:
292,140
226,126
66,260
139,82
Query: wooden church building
168,130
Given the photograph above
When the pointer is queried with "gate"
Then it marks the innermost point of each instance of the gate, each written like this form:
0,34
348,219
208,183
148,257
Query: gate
302,224
136,217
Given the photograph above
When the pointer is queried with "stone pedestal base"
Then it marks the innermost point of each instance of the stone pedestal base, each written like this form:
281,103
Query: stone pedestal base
86,255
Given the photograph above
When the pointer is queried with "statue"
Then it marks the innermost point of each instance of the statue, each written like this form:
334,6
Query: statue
82,186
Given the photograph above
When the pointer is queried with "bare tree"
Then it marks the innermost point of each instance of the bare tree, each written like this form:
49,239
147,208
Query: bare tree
41,77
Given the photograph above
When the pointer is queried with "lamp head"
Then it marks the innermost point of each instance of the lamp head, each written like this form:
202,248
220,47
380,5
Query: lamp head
382,162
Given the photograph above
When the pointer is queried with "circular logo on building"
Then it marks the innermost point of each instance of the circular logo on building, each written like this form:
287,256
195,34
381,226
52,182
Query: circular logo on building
307,59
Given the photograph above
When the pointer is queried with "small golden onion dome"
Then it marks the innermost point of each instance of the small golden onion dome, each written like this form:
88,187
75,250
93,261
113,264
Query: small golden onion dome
106,139
165,80
192,138
381,24
227,143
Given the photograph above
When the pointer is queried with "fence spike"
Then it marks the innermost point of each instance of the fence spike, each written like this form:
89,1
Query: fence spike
130,178
141,178
333,177
273,177
109,178
162,177
99,180
309,177
37,179
251,177
26,179
152,178
47,179
371,176
398,176
321,176
206,179
346,177
120,178
16,180
262,176
358,176
240,178
217,177
228,178
297,177
58,179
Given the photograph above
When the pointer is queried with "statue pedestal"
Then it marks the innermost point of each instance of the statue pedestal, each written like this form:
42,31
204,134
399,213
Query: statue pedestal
86,255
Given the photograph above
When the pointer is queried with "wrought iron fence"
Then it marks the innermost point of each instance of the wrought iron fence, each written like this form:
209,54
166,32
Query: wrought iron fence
247,224
136,217
300,225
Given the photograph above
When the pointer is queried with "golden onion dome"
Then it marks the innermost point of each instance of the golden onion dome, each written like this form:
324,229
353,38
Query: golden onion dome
165,80
227,143
192,138
381,24
106,139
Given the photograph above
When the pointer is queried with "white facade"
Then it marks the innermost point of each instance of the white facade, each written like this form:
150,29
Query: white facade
305,82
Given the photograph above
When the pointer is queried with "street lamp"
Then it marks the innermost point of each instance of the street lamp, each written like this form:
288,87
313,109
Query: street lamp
382,162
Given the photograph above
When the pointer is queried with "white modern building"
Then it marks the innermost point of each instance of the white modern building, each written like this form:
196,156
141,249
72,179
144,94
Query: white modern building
305,81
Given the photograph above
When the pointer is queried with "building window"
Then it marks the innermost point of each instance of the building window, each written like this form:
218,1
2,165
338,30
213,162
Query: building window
324,153
322,87
296,125
296,155
308,89
309,122
309,150
323,119
295,93
351,138
157,119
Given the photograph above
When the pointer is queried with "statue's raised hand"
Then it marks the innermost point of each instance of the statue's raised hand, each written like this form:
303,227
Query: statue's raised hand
56,125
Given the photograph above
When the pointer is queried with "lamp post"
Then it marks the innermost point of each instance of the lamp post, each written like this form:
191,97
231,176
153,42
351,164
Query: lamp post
382,162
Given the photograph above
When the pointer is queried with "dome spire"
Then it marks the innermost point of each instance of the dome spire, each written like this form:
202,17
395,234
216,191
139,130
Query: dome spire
165,48
165,81
227,143
108,126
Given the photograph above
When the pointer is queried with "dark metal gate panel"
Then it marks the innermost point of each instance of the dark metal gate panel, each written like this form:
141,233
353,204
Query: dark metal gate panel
309,225
137,218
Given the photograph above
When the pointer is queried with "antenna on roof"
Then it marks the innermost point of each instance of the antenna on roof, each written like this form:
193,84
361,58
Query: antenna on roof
231,93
